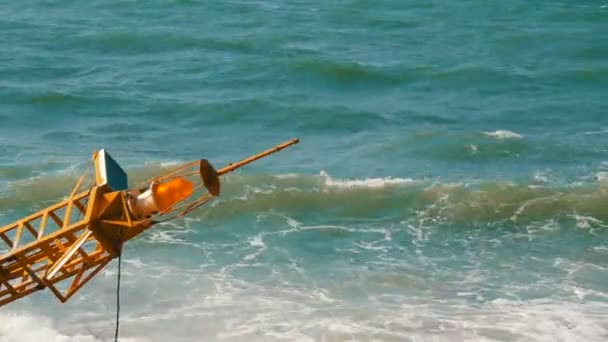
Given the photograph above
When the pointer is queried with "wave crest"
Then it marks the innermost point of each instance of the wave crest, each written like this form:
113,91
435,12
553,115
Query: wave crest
382,197
504,134
364,183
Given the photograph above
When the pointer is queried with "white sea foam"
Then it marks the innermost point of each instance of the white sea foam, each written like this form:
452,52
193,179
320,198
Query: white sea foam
583,293
322,295
258,242
504,134
541,176
601,176
365,183
586,222
327,227
520,211
256,313
29,328
287,176
600,249
292,223
237,310
170,163
169,237
602,131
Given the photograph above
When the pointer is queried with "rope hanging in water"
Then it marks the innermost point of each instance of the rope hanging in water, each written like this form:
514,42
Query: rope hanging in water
118,296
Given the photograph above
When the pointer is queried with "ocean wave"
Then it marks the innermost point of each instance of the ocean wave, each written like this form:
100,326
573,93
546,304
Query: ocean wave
448,203
504,134
148,41
597,132
464,146
351,72
510,203
472,74
364,183
602,176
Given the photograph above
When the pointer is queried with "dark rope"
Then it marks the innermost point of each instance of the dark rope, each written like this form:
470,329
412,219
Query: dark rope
118,296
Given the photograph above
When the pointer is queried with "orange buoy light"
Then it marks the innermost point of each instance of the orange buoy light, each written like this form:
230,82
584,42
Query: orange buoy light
168,193
161,196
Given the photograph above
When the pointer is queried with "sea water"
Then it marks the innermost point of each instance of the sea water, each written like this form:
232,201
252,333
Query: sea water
451,182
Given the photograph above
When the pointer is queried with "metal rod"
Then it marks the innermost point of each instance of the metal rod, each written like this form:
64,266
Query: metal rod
233,166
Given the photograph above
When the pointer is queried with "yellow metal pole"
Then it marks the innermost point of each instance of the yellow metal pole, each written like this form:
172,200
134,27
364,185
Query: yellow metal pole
233,166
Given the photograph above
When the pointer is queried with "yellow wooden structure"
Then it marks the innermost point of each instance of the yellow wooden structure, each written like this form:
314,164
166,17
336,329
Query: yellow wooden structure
64,246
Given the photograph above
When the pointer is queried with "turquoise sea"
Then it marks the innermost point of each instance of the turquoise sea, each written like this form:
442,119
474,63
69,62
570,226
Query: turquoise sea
451,183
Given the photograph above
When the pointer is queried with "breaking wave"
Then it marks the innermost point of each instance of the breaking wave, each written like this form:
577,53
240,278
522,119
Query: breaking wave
457,202
364,183
503,134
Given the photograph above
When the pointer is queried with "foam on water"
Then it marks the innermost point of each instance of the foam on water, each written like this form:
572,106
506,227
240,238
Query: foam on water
30,328
499,320
504,134
365,183
601,176
395,294
256,242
